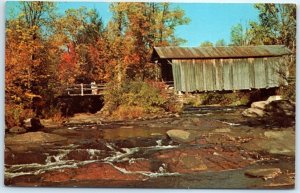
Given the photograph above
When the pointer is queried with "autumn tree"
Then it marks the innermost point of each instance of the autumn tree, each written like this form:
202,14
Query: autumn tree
46,50
26,54
29,55
138,27
83,58
116,39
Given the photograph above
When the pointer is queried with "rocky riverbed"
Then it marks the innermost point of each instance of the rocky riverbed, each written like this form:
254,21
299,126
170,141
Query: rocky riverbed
207,147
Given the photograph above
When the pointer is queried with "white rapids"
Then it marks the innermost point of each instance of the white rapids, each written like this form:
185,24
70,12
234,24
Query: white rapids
59,160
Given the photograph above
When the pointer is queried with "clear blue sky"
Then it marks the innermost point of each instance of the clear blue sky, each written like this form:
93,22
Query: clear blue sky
209,22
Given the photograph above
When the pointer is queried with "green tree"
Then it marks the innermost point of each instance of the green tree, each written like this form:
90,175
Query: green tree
277,25
239,36
206,44
166,20
37,13
220,42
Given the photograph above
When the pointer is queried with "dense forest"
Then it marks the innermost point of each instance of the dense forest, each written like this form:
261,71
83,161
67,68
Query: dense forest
46,50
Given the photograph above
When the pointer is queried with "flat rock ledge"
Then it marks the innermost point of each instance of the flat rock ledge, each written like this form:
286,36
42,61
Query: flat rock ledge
265,173
34,137
17,130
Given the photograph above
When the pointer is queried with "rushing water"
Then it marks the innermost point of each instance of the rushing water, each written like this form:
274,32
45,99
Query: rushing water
139,154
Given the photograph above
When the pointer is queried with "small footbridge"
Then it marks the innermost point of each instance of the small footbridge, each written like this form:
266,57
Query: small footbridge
92,89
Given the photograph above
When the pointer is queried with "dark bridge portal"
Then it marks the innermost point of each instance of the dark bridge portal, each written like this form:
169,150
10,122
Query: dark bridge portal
70,105
81,98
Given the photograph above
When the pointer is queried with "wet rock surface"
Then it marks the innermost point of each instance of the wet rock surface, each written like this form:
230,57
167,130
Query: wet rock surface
265,173
180,135
216,149
93,171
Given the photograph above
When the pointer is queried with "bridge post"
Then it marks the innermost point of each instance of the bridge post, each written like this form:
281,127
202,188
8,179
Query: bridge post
81,89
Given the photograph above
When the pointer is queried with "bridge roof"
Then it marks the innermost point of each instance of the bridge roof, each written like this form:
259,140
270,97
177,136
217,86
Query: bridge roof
175,52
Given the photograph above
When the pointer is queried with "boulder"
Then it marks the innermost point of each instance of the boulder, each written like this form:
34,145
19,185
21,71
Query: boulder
253,112
265,173
259,105
17,129
180,135
274,98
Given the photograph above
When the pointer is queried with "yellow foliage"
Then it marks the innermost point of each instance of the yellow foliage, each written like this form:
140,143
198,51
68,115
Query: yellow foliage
128,112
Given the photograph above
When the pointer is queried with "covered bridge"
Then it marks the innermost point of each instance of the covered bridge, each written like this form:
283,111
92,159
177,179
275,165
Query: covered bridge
222,68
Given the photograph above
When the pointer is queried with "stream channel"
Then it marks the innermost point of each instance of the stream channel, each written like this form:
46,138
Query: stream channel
139,153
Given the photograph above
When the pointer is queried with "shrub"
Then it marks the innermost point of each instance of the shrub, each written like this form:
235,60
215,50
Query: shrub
54,113
128,112
213,98
195,100
173,106
139,97
15,114
210,98
288,92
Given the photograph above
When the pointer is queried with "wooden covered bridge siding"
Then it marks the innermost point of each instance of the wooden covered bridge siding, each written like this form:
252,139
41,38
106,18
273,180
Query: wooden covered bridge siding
216,69
226,74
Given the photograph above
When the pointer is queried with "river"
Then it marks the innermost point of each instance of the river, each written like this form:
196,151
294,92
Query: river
138,153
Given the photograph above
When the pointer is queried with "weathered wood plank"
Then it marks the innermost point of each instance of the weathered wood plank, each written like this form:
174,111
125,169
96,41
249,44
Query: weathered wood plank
227,74
198,65
251,73
260,74
219,74
227,71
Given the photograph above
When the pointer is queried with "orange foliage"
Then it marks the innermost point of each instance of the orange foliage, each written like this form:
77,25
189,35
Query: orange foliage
45,50
68,67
